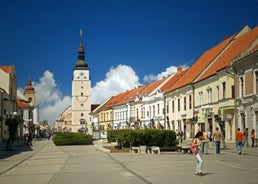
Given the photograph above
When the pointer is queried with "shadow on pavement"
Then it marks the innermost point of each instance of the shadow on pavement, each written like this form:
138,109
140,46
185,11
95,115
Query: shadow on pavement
16,149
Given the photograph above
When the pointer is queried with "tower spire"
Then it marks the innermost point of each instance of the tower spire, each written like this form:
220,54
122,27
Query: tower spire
81,57
81,49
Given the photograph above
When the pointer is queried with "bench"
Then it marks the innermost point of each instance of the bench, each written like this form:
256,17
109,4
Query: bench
155,150
143,149
135,149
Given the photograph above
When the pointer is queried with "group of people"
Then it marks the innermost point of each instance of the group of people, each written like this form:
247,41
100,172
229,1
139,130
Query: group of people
201,139
242,139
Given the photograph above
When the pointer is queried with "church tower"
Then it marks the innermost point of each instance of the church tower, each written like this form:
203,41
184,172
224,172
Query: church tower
29,92
81,99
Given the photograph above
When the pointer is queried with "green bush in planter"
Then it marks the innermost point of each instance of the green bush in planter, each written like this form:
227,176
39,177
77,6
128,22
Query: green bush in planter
67,138
149,137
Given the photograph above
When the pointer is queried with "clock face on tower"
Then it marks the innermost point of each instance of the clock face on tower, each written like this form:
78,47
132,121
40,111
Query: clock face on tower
81,75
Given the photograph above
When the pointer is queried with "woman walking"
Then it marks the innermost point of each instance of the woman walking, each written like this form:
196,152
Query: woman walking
253,137
197,142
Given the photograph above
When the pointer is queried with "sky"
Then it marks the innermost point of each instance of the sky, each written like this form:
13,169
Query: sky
128,43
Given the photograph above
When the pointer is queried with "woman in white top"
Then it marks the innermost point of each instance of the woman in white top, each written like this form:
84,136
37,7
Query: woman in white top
197,141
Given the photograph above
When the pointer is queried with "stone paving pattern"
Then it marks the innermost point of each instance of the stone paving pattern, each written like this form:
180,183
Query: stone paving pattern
45,163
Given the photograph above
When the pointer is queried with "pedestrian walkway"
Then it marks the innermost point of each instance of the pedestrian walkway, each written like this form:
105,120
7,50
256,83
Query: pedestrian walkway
45,163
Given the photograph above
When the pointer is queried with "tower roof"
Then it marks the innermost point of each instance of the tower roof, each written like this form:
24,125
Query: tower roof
81,64
29,89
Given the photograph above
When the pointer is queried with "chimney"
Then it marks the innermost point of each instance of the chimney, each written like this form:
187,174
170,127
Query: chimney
179,69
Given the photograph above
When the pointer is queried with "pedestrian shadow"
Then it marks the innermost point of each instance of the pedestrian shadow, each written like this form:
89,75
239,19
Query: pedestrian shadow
15,150
206,174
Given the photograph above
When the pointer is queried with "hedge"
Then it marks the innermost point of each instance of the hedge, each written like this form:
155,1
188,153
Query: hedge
148,137
68,138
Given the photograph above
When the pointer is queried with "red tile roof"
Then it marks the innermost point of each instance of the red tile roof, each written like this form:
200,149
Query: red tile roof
238,46
7,69
172,81
151,86
195,70
23,104
123,98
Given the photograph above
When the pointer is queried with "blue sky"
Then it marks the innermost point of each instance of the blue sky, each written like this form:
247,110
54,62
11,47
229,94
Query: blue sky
127,43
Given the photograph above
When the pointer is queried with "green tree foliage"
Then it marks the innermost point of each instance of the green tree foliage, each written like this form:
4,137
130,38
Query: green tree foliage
12,124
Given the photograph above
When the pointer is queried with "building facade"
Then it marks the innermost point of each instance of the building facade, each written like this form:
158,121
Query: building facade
246,82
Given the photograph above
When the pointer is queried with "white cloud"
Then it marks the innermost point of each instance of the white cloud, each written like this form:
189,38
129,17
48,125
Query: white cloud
50,100
117,80
170,70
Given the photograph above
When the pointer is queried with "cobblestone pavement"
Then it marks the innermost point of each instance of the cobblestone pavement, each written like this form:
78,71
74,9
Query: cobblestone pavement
45,163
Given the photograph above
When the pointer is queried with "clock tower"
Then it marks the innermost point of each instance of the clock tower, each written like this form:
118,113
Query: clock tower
81,99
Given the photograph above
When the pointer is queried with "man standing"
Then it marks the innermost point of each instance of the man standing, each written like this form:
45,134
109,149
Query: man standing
217,138
239,139
245,138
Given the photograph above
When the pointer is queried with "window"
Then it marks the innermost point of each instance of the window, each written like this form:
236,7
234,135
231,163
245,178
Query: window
81,93
223,90
190,101
209,92
82,121
185,103
217,93
178,104
107,116
81,114
167,108
200,98
173,106
153,108
241,87
158,109
233,91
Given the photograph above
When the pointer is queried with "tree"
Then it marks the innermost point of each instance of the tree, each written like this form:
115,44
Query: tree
12,124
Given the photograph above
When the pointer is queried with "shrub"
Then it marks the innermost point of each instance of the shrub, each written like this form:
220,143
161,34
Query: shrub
149,137
68,138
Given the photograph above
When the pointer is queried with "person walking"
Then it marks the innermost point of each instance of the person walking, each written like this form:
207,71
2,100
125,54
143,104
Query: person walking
239,139
29,141
253,137
205,143
197,142
245,138
181,134
217,138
